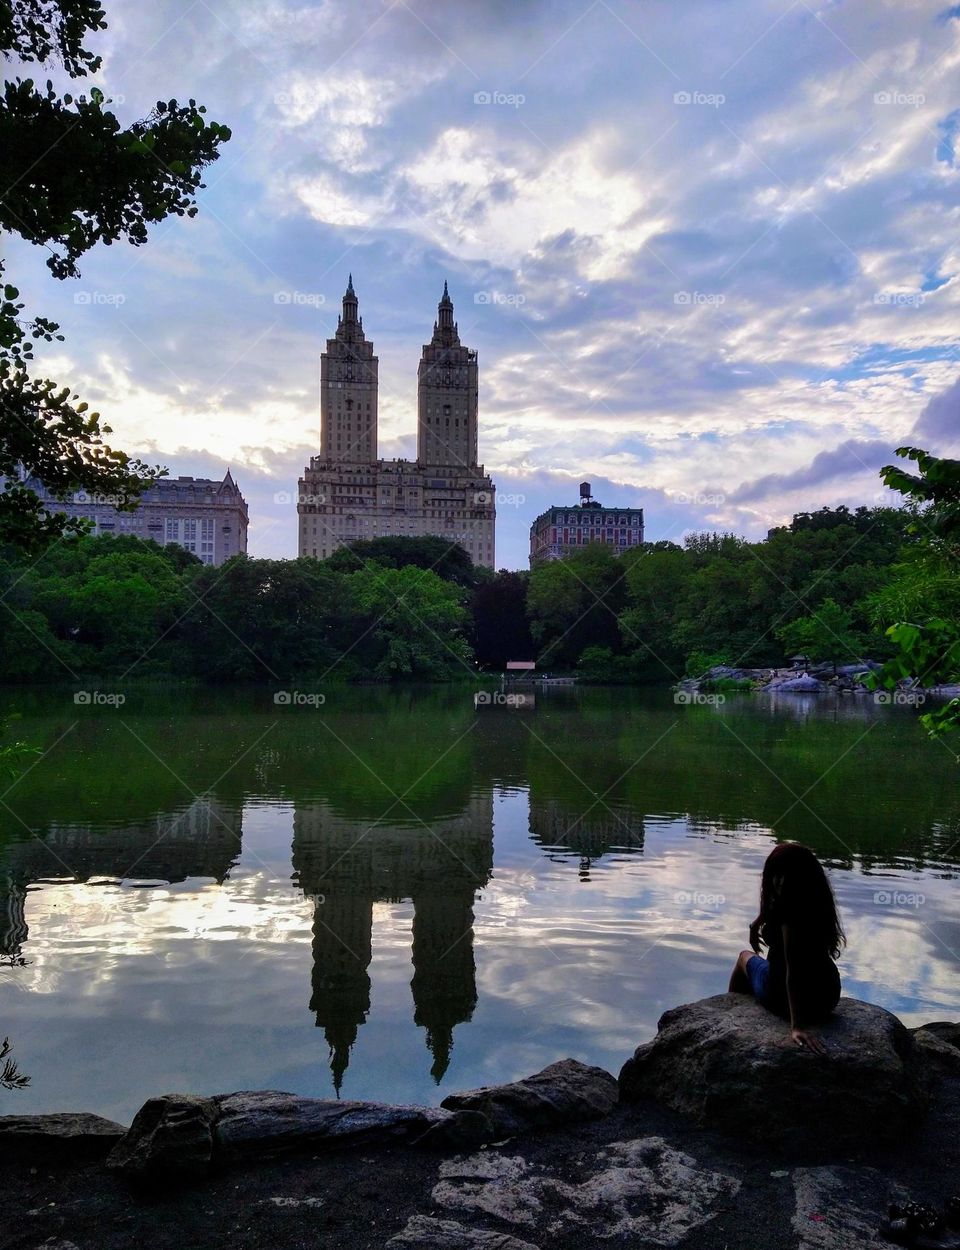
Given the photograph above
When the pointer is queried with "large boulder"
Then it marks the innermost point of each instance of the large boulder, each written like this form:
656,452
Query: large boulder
264,1122
563,1092
797,685
63,1137
938,1044
171,1138
947,1031
730,1064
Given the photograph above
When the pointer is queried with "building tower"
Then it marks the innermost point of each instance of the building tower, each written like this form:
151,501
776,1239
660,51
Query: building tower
348,390
447,395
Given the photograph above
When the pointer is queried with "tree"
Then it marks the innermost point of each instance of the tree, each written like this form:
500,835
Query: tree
73,177
501,629
256,620
10,1075
826,634
927,646
575,602
448,560
411,624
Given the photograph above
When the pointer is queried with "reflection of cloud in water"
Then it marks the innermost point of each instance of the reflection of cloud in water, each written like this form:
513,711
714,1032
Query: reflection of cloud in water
500,966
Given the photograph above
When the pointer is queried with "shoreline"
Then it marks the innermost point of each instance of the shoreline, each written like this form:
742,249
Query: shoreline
564,1159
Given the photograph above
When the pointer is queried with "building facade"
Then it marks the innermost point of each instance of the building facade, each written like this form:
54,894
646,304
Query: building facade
199,514
347,493
559,531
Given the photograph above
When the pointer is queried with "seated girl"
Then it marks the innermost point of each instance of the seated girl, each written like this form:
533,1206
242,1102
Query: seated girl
799,925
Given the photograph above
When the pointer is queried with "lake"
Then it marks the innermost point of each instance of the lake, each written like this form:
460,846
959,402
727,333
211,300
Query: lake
395,893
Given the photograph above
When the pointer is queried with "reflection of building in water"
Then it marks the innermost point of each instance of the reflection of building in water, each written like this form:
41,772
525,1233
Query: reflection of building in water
592,830
201,841
347,866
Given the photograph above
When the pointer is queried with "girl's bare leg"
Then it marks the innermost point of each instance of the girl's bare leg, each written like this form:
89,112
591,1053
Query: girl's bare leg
739,983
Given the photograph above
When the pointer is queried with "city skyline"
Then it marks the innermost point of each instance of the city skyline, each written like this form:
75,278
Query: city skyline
720,366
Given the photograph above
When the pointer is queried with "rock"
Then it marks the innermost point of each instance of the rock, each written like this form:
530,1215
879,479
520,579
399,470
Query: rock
171,1137
797,685
264,1122
941,1057
431,1234
639,1192
946,1030
645,1193
563,1092
460,1130
841,1207
730,1064
64,1137
490,1184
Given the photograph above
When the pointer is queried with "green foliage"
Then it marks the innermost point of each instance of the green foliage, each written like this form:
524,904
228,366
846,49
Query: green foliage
600,666
75,177
937,485
699,662
501,628
413,622
121,607
925,591
448,560
14,756
825,634
721,599
575,603
727,685
257,620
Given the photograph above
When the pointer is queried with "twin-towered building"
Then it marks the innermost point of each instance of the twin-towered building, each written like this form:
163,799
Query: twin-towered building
347,493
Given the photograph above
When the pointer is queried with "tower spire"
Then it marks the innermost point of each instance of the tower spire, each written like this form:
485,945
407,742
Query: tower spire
445,311
349,315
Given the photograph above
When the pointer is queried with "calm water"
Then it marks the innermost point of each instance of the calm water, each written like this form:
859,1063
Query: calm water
399,895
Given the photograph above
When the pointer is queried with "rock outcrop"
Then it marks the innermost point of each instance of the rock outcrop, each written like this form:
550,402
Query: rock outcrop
564,1092
729,1064
265,1122
639,1192
171,1138
180,1136
67,1137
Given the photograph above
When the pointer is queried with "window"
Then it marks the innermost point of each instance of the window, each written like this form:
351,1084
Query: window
172,531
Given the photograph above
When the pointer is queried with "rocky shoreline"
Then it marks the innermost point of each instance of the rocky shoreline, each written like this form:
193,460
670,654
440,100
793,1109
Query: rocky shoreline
718,1132
805,678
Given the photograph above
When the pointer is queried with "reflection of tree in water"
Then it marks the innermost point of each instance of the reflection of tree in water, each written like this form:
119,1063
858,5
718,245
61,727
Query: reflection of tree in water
10,1075
588,831
350,866
203,840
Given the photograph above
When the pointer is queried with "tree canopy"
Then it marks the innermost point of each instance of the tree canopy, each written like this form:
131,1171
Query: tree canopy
71,176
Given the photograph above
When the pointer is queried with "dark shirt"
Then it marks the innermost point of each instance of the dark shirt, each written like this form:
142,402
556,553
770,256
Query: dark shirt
814,977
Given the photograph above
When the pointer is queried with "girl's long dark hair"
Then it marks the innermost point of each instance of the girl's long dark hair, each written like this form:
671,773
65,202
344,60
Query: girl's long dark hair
794,890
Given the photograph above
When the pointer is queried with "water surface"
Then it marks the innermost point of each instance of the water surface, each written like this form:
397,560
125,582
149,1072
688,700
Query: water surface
397,894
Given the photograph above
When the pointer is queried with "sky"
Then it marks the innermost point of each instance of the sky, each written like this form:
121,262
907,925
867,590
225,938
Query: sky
707,252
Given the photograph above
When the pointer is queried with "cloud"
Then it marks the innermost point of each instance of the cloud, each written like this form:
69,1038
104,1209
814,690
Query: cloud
938,426
721,258
849,459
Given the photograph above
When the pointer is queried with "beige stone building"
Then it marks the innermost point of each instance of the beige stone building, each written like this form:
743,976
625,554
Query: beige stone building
347,493
200,514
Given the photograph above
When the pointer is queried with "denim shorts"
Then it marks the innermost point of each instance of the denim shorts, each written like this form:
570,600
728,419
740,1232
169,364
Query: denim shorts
758,974
815,1002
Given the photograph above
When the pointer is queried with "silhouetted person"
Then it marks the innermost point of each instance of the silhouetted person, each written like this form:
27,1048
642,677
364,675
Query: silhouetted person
799,925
